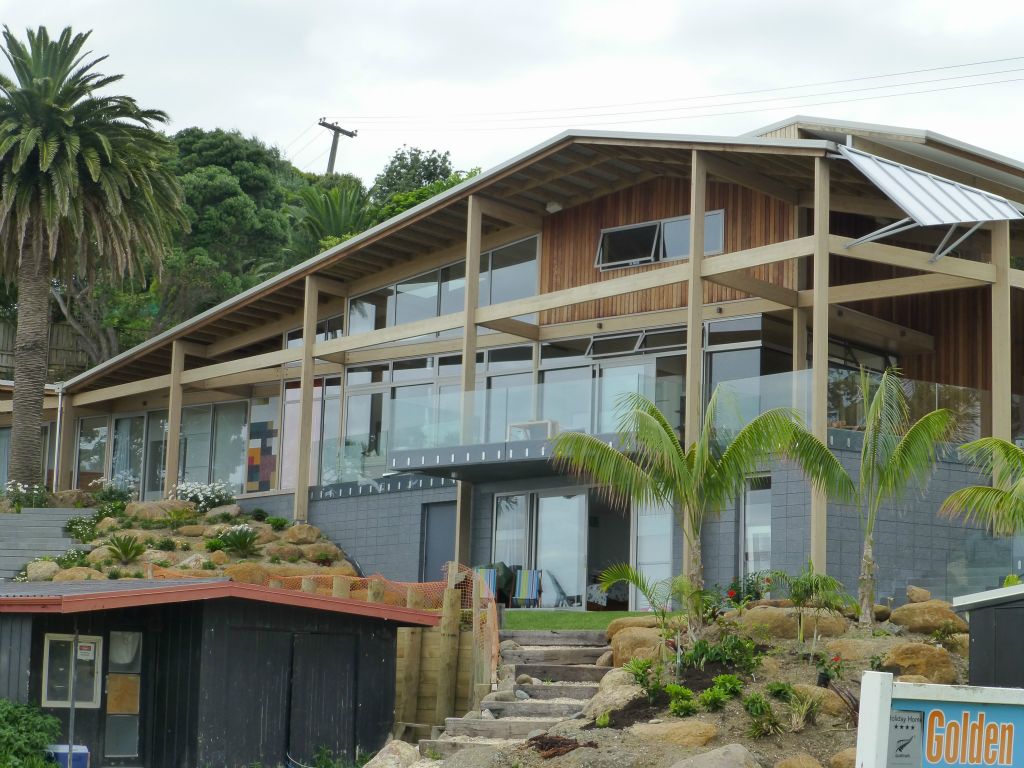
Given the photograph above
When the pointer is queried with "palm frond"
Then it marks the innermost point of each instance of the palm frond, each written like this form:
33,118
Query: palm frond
656,593
620,478
997,458
995,508
912,459
821,467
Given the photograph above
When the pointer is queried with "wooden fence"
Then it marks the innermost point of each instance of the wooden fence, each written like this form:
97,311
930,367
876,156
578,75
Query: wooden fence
66,358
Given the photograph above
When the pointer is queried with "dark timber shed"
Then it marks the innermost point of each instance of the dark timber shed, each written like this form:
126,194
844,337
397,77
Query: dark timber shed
179,674
996,617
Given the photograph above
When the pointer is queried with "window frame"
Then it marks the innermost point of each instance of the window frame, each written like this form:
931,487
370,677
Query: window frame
658,249
95,702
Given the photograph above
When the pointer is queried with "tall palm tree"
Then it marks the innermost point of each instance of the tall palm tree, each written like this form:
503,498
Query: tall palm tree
652,467
84,183
894,454
339,212
999,506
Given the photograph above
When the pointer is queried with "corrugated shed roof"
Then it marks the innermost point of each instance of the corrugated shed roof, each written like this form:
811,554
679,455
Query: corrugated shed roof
94,586
929,199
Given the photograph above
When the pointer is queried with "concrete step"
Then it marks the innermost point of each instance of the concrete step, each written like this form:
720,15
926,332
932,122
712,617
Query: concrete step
504,728
570,673
534,708
560,637
556,691
554,655
439,749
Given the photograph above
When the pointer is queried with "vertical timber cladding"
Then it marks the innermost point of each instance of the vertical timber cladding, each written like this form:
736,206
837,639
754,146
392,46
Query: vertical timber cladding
570,238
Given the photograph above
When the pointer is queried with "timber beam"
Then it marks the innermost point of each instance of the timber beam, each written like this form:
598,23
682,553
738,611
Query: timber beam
514,327
510,214
734,172
912,259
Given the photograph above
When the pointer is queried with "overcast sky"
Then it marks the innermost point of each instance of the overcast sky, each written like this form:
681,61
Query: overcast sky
488,80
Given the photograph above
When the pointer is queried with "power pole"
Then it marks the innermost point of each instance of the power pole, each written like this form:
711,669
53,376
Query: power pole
337,130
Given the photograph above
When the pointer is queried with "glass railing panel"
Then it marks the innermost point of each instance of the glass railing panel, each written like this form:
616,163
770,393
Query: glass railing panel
740,401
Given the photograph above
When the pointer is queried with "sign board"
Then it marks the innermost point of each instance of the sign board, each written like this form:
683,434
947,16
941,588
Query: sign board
946,726
87,651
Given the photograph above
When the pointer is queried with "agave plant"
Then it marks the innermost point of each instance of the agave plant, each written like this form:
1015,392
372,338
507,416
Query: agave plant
125,548
240,540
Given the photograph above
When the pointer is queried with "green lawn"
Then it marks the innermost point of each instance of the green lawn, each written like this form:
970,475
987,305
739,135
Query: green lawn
541,619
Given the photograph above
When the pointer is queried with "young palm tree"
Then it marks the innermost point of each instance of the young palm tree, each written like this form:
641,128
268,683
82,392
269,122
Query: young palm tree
652,467
999,506
894,454
85,183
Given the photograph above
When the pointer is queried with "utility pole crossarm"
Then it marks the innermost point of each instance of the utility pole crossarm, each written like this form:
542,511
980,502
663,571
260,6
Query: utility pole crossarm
337,130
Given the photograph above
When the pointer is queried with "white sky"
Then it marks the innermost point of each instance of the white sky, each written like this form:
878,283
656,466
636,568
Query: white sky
440,70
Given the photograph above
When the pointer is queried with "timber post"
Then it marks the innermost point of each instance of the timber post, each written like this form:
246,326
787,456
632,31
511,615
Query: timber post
819,351
449,653
375,591
310,311
174,398
340,587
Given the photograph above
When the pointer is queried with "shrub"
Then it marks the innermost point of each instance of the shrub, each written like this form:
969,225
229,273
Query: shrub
214,545
114,573
275,560
184,546
21,495
803,709
83,527
944,635
277,523
756,705
325,559
647,675
732,652
205,496
680,700
603,720
781,691
165,544
258,514
1011,580
116,491
125,548
713,699
72,558
25,732
208,566
240,540
111,509
730,685
764,726
831,667
179,517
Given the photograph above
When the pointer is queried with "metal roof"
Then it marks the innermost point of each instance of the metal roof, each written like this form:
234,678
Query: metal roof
1014,594
105,595
928,199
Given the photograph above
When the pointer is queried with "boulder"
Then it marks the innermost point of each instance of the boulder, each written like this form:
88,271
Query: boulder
192,562
395,754
802,760
498,696
522,695
283,551
156,510
635,643
960,643
225,509
918,594
72,498
882,612
266,535
99,554
930,661
777,622
912,679
606,659
845,759
344,568
509,645
108,524
194,531
729,756
927,617
213,531
219,557
827,699
321,549
41,570
825,624
247,573
79,574
301,533
618,625
682,733
858,651
524,680
617,693
158,555
783,602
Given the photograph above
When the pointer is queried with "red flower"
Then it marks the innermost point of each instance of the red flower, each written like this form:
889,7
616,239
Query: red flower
836,659
731,593
767,579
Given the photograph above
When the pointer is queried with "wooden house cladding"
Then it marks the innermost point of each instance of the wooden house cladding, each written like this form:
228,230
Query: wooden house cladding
570,239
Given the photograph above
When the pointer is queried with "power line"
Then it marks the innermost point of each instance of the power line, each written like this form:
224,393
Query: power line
290,143
562,110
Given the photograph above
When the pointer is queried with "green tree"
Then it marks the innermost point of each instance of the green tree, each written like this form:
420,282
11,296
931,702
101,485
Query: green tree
403,201
653,468
895,453
1000,506
85,185
815,592
410,168
327,217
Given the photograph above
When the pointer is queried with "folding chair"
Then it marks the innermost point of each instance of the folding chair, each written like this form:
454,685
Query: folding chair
489,576
527,591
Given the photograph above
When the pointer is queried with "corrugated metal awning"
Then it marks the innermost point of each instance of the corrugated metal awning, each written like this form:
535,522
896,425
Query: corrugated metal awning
929,200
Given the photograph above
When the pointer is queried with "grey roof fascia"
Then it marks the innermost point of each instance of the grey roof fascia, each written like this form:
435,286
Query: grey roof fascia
989,597
438,201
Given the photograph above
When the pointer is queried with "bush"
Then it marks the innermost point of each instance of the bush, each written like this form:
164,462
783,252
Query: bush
680,700
803,710
764,726
647,675
277,523
111,509
22,496
205,496
25,732
83,528
240,540
756,705
603,720
713,699
732,652
165,544
214,545
113,491
208,566
125,548
259,515
114,574
730,685
179,517
72,558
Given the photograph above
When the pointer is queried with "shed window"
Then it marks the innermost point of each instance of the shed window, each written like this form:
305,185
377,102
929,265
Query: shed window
57,665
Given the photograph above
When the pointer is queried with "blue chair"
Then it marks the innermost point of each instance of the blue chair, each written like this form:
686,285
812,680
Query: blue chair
527,591
489,576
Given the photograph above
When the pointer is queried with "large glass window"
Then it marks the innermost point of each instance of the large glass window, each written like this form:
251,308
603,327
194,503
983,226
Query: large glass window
5,454
511,530
156,449
290,446
371,311
662,240
412,417
627,246
229,439
616,382
127,455
330,445
757,525
513,272
60,657
262,458
92,449
416,299
452,295
194,449
566,397
364,449
562,549
510,407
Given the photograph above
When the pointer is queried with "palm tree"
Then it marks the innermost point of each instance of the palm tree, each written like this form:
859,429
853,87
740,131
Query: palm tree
894,454
328,217
815,592
85,185
651,467
1000,506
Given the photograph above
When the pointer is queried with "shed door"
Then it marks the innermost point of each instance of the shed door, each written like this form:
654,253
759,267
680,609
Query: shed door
258,685
323,696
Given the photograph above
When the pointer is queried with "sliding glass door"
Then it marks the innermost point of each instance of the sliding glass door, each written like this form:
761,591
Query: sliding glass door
562,549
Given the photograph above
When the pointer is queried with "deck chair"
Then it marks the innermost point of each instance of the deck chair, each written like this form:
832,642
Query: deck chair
563,600
489,576
527,591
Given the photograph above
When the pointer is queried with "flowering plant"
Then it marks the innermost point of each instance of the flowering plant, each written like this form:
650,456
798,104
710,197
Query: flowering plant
22,495
240,540
831,667
119,489
205,496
